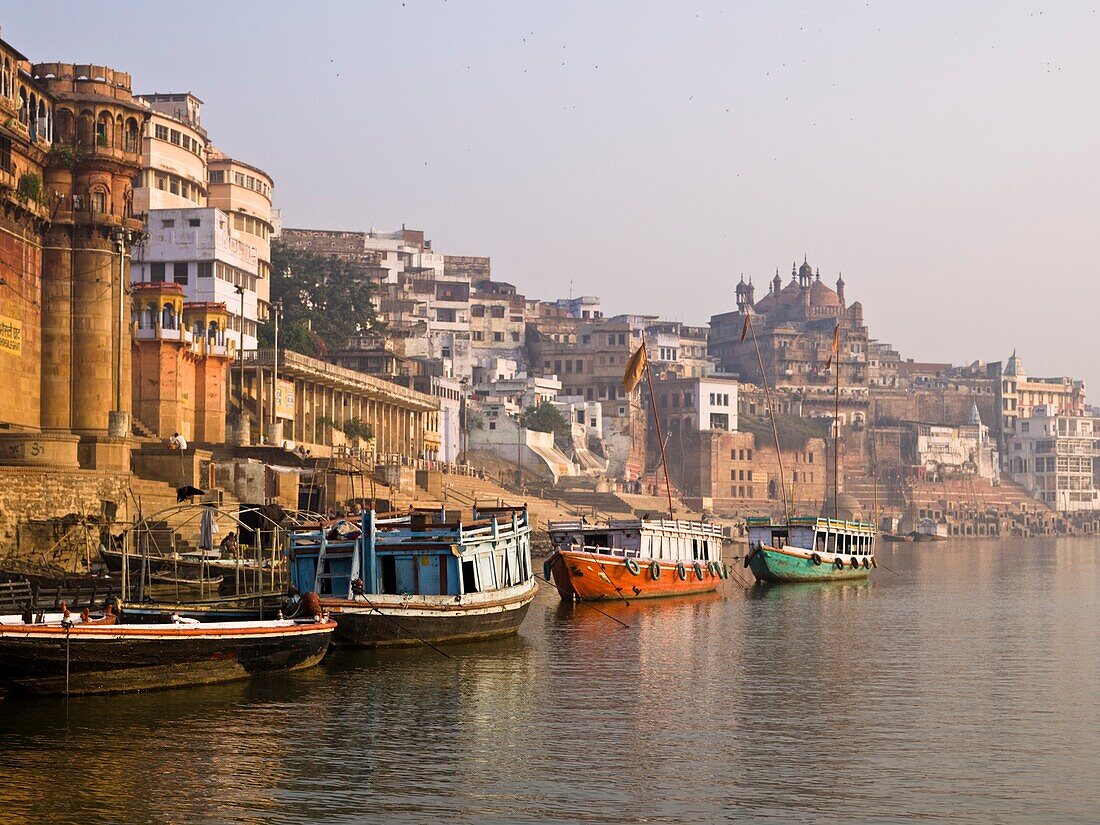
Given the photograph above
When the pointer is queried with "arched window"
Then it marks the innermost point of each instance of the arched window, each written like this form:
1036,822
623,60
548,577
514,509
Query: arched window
23,117
132,136
104,130
85,128
63,128
98,199
213,333
149,317
168,317
5,88
45,128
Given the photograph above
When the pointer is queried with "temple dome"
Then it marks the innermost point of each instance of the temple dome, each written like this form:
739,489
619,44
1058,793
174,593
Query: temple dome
848,505
823,296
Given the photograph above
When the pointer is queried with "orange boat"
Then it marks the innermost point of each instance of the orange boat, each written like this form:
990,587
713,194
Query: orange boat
627,559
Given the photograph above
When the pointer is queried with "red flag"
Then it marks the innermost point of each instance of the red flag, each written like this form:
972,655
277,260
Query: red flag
745,328
836,347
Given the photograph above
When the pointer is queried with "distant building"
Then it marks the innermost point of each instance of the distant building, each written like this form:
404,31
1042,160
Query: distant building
794,327
940,451
1052,454
1019,395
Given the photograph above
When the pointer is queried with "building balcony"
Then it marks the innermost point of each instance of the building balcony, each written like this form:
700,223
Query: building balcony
183,336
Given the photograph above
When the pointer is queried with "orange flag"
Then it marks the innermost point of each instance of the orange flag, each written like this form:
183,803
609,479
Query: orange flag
635,368
836,347
745,328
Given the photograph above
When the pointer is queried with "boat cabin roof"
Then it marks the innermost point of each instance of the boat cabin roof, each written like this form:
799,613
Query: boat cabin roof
819,523
637,525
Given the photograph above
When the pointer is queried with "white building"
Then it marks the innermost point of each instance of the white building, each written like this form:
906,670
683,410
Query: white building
687,404
1051,455
943,451
198,249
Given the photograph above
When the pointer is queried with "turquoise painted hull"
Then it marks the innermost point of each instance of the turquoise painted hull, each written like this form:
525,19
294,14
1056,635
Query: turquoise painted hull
775,567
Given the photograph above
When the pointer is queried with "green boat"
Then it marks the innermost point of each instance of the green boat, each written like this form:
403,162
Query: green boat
810,549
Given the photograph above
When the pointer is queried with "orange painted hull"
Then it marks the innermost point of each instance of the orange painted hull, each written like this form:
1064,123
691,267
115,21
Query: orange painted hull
595,577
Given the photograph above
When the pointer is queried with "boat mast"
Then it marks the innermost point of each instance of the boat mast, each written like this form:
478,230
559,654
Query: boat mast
836,431
657,424
771,413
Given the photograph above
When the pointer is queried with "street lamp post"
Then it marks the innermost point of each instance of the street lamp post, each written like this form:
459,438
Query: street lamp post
240,397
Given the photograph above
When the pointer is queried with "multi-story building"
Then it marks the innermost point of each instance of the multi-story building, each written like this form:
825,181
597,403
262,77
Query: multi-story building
497,323
689,404
794,325
1019,395
180,363
70,144
1052,453
939,451
243,192
211,261
677,350
173,155
182,170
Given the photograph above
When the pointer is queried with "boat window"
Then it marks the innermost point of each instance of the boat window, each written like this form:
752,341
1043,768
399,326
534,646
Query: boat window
820,542
599,540
695,549
469,585
832,542
706,550
779,538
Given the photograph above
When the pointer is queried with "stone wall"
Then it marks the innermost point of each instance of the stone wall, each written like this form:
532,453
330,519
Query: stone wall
29,498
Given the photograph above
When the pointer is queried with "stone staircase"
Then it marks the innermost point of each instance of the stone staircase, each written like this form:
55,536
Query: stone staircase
141,430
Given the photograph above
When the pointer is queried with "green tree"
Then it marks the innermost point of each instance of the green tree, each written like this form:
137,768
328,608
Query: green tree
325,301
546,418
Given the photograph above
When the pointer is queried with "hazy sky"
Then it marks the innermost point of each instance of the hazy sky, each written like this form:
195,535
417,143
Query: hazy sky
943,156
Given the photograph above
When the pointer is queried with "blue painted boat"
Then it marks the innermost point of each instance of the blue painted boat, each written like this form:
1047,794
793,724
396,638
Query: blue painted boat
400,579
810,549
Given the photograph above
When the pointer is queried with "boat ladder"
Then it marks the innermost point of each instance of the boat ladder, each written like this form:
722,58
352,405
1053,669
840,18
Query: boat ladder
332,551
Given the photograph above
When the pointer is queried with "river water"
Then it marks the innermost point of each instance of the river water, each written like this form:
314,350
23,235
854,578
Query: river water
964,688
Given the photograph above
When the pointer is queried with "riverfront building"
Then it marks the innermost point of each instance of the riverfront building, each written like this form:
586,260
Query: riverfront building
1052,454
212,262
70,144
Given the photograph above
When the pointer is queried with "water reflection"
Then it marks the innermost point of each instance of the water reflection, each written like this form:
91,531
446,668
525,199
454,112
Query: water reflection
961,688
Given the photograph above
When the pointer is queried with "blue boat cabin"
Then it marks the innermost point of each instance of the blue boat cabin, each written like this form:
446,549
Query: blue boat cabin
413,555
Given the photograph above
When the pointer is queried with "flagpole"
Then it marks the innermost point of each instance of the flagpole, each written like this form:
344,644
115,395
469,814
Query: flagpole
657,424
771,414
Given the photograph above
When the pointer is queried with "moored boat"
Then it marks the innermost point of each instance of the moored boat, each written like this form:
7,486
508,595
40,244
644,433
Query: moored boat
626,559
73,656
810,549
400,579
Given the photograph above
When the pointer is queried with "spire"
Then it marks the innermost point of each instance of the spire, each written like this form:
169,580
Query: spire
975,416
818,274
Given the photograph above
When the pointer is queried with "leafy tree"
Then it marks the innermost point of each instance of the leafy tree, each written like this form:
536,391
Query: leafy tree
325,301
546,418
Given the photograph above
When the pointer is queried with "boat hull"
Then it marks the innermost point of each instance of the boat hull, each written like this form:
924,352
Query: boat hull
581,576
114,659
389,621
774,565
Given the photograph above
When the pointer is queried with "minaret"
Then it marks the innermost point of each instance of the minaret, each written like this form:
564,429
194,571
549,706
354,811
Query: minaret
751,292
741,290
777,283
840,288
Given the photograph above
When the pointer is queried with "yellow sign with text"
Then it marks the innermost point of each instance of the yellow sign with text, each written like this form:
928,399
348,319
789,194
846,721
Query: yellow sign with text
11,335
284,399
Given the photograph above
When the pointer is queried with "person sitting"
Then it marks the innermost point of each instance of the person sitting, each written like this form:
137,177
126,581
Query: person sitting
229,545
177,442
